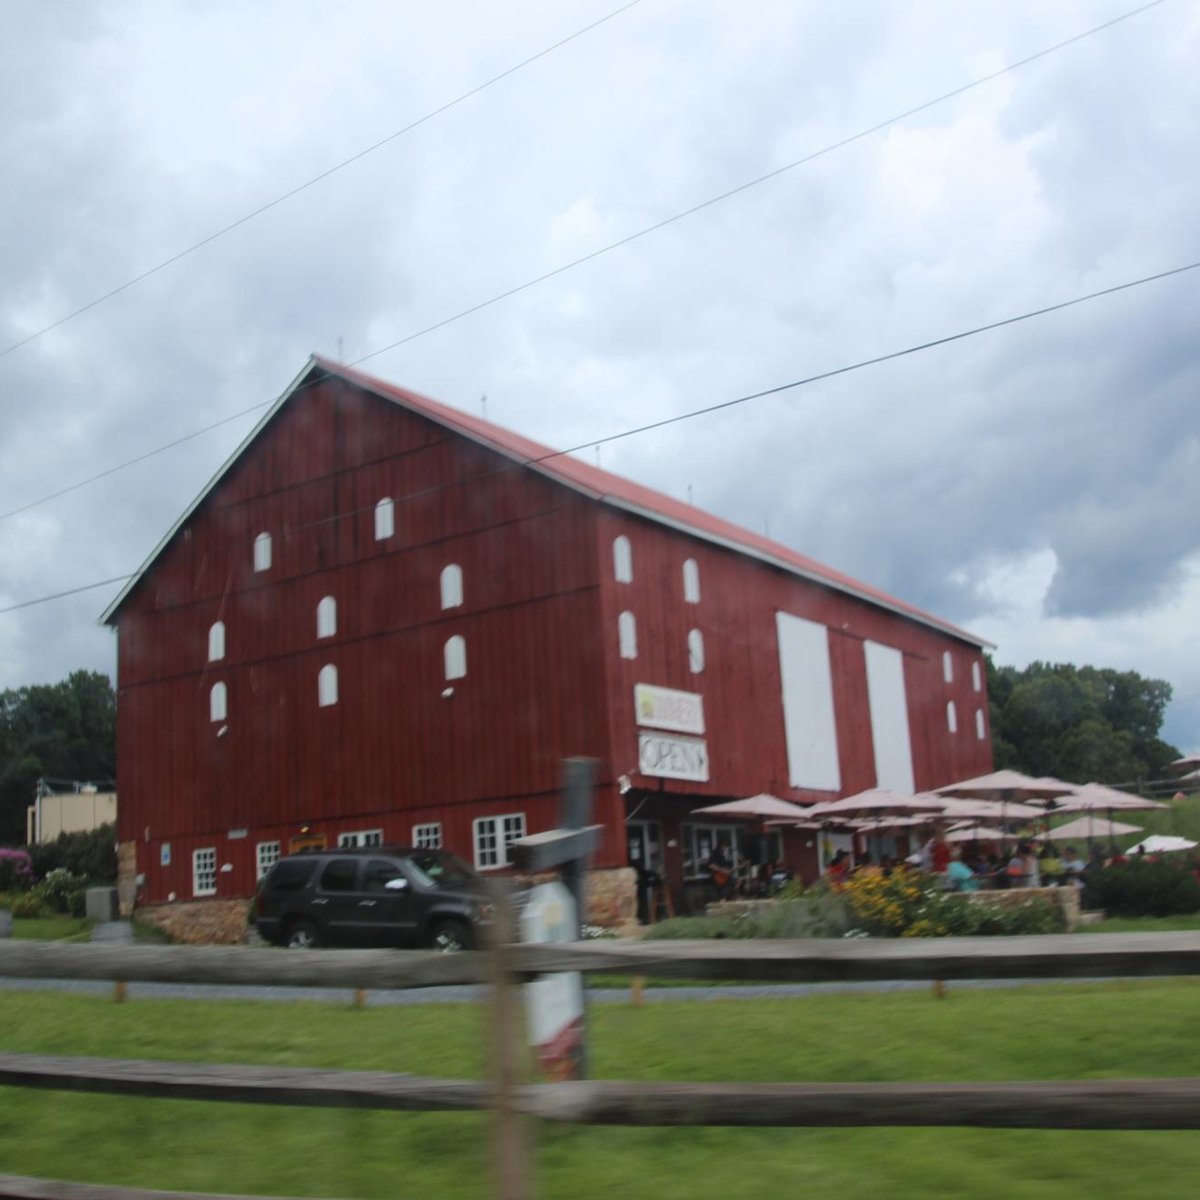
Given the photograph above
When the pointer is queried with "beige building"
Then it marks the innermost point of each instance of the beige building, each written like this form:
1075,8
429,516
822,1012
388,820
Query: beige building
68,812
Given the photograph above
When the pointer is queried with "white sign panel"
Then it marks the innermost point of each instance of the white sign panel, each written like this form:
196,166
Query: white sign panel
889,718
554,1003
808,717
666,708
667,757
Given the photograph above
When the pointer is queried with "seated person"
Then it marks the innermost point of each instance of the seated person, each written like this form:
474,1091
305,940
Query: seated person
720,872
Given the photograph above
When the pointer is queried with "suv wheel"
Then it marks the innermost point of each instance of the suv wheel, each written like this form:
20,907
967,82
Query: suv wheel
448,937
302,935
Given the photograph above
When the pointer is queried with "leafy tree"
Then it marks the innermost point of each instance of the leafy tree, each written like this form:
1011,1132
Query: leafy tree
1078,723
63,731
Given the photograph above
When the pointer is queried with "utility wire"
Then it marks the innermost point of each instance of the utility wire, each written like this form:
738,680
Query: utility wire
595,253
711,408
278,200
742,187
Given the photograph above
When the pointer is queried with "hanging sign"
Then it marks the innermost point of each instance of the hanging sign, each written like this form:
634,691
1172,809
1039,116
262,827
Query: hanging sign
667,708
668,757
554,1003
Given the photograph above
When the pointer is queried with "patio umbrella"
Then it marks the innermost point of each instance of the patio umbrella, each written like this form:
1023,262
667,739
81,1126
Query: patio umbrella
875,803
959,807
1006,787
980,833
1090,797
1090,827
764,806
1189,762
1161,843
761,808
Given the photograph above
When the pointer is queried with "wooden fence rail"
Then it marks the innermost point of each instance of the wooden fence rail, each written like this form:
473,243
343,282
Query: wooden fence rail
1091,1104
1066,956
1108,1104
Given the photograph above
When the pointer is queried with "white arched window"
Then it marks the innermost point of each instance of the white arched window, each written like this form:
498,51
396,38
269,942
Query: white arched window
947,666
979,729
627,635
327,686
622,560
327,617
691,581
976,677
696,651
951,717
262,552
217,707
385,519
216,641
455,655
452,586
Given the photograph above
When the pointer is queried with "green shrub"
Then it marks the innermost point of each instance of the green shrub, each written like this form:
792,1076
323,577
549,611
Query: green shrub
29,904
62,891
91,854
1143,889
16,870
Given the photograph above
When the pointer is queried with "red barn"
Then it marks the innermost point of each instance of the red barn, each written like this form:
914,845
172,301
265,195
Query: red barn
386,620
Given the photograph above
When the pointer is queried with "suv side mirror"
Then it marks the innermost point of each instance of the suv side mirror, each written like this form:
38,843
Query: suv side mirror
396,885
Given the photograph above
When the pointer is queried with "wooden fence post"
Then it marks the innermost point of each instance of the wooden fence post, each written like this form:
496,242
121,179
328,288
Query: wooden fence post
510,1149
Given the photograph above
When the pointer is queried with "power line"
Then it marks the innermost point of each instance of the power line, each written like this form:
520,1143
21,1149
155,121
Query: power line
602,250
711,408
742,187
285,196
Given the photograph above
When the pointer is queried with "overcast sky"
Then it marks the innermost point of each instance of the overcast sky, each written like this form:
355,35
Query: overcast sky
1039,484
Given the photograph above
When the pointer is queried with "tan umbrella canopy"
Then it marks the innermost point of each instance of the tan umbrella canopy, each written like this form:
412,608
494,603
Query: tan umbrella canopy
764,806
1189,762
960,808
980,833
1007,786
875,803
1092,797
1090,827
1162,843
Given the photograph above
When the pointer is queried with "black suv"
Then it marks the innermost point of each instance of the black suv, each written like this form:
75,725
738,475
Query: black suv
373,896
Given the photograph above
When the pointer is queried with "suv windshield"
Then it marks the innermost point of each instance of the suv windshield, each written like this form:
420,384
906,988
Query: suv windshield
436,868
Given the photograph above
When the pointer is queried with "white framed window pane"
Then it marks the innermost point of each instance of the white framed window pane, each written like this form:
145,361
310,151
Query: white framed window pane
695,651
487,852
455,655
622,560
262,552
204,871
627,635
360,837
951,717
266,855
327,686
513,827
217,706
452,586
980,732
216,641
327,617
691,581
947,666
976,677
428,836
385,519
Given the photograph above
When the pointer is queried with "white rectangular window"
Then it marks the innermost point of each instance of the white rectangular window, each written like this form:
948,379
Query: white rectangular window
976,677
204,872
980,731
622,560
947,666
266,855
951,717
808,718
361,837
691,581
493,836
385,519
627,635
427,837
888,702
262,552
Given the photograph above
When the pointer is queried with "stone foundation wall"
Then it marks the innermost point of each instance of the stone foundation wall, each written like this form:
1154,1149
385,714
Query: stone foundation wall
200,922
126,878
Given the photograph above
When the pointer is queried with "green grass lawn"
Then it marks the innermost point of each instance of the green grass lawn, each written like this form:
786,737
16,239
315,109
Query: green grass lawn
1143,924
52,929
1088,1031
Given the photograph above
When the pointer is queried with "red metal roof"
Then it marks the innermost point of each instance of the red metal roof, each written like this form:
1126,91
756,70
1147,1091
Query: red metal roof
608,488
